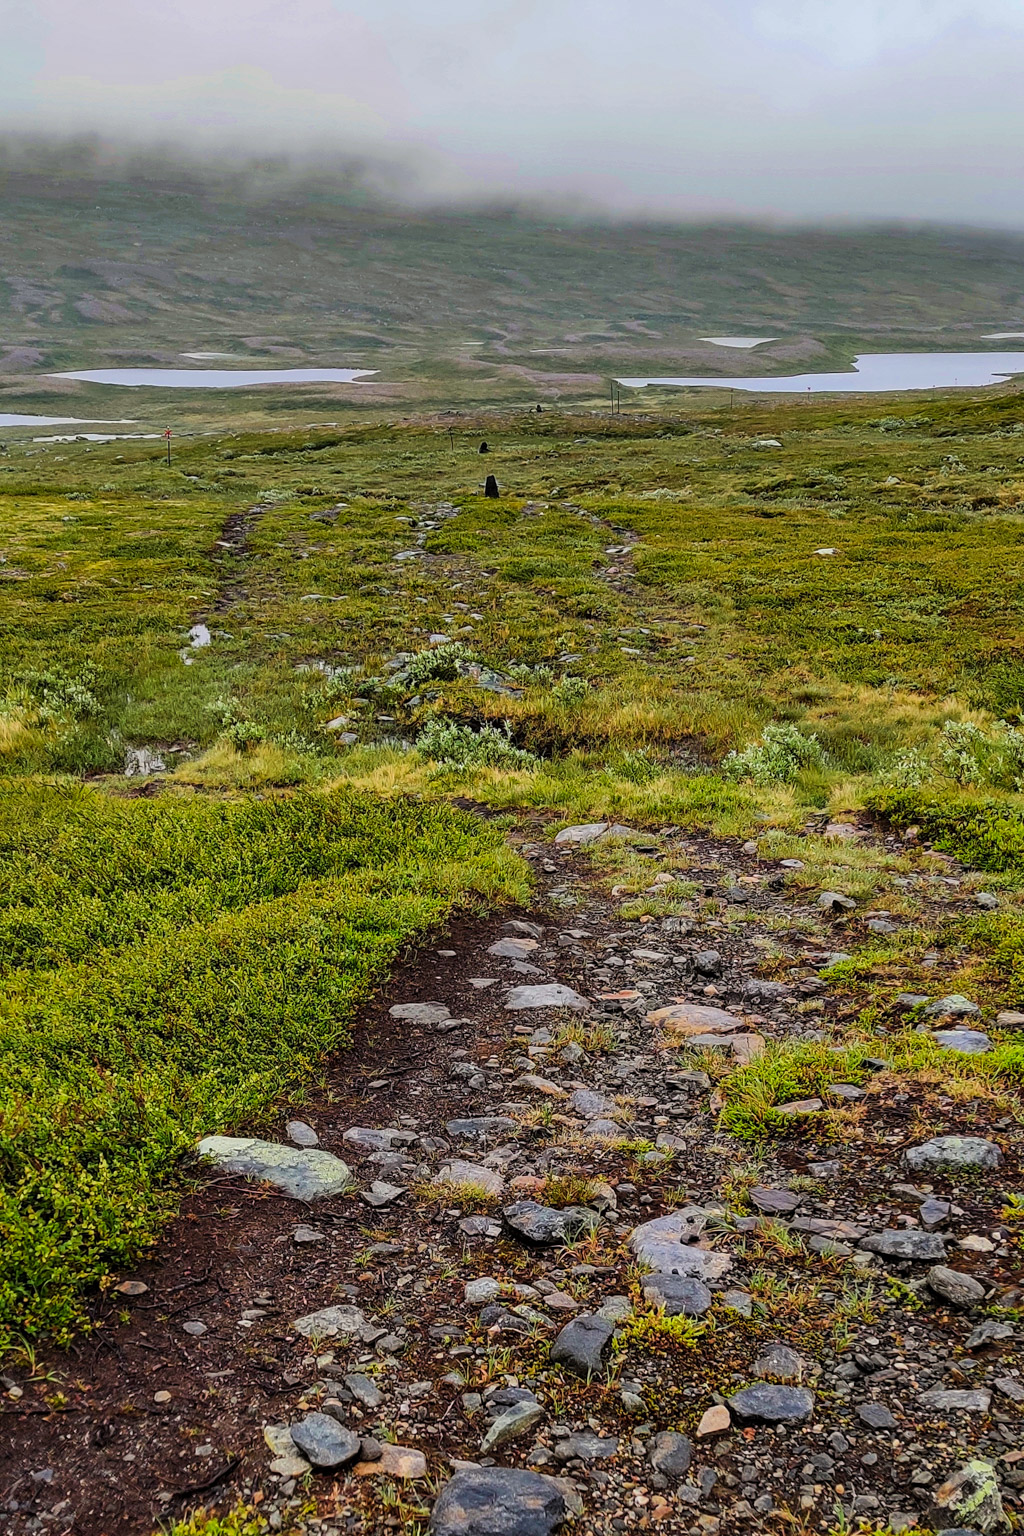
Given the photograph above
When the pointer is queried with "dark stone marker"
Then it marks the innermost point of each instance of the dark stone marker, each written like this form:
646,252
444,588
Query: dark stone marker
484,448
491,488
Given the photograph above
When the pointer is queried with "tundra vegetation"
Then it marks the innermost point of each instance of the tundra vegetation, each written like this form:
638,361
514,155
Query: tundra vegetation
245,702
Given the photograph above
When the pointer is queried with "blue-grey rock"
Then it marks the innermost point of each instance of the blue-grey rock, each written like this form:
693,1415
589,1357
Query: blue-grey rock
545,1226
581,1344
670,1453
679,1295
771,1404
481,1126
551,994
876,1416
498,1501
324,1442
922,1247
954,1286
586,1446
969,1042
517,1420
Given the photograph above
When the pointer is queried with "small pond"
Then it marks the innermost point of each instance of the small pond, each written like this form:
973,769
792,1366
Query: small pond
873,373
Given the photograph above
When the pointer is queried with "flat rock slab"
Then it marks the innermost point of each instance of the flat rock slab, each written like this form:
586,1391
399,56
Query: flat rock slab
922,1247
498,1501
953,1006
953,1152
481,1126
770,1404
421,1013
957,1400
394,1461
662,1243
368,1140
876,1416
333,1322
586,1446
779,1363
551,994
696,1019
592,832
969,1042
301,1134
301,1173
774,1202
484,1180
677,1295
585,1101
512,949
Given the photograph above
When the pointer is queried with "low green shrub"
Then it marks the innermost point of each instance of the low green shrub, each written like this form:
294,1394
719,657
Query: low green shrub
984,832
781,754
457,747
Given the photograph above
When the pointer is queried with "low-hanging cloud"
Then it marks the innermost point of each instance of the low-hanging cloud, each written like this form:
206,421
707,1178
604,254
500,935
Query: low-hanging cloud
792,108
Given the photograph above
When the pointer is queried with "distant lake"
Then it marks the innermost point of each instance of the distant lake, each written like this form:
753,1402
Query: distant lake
54,421
215,378
874,373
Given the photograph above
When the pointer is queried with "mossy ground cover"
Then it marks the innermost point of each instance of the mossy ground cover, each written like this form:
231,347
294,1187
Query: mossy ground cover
651,589
174,968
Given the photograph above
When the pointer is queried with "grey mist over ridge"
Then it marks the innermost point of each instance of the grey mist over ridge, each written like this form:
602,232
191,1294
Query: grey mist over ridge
797,109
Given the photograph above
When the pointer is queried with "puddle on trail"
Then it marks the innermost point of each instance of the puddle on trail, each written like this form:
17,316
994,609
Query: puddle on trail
873,373
215,378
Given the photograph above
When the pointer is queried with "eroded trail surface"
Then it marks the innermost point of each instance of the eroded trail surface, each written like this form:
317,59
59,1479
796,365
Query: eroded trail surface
825,1325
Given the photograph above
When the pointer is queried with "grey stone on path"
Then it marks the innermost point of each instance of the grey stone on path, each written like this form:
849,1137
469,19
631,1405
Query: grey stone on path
661,1244
544,1225
421,1013
876,1416
952,1006
480,1226
485,1180
834,901
512,949
324,1442
195,1328
481,1126
584,1445
774,1202
368,1140
603,1130
957,1153
906,1002
971,1493
740,1301
498,1501
952,1285
301,1173
581,1343
304,1235
779,1363
523,1320
989,1332
301,1134
934,1213
707,962
770,1404
479,1292
592,832
953,1400
969,1042
524,930
589,1104
365,1391
381,1193
517,1420
848,1091
922,1247
679,1295
670,1453
330,1322
550,994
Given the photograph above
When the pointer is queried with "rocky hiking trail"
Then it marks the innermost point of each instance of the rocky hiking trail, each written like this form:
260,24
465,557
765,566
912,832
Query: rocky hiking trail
505,1269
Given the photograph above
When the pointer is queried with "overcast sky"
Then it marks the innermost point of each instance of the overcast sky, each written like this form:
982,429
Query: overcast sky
794,108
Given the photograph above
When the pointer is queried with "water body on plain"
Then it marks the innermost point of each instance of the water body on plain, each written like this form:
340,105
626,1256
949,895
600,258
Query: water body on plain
215,378
873,373
7,420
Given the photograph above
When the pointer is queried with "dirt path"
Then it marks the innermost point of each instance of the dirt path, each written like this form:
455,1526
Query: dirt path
167,1406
